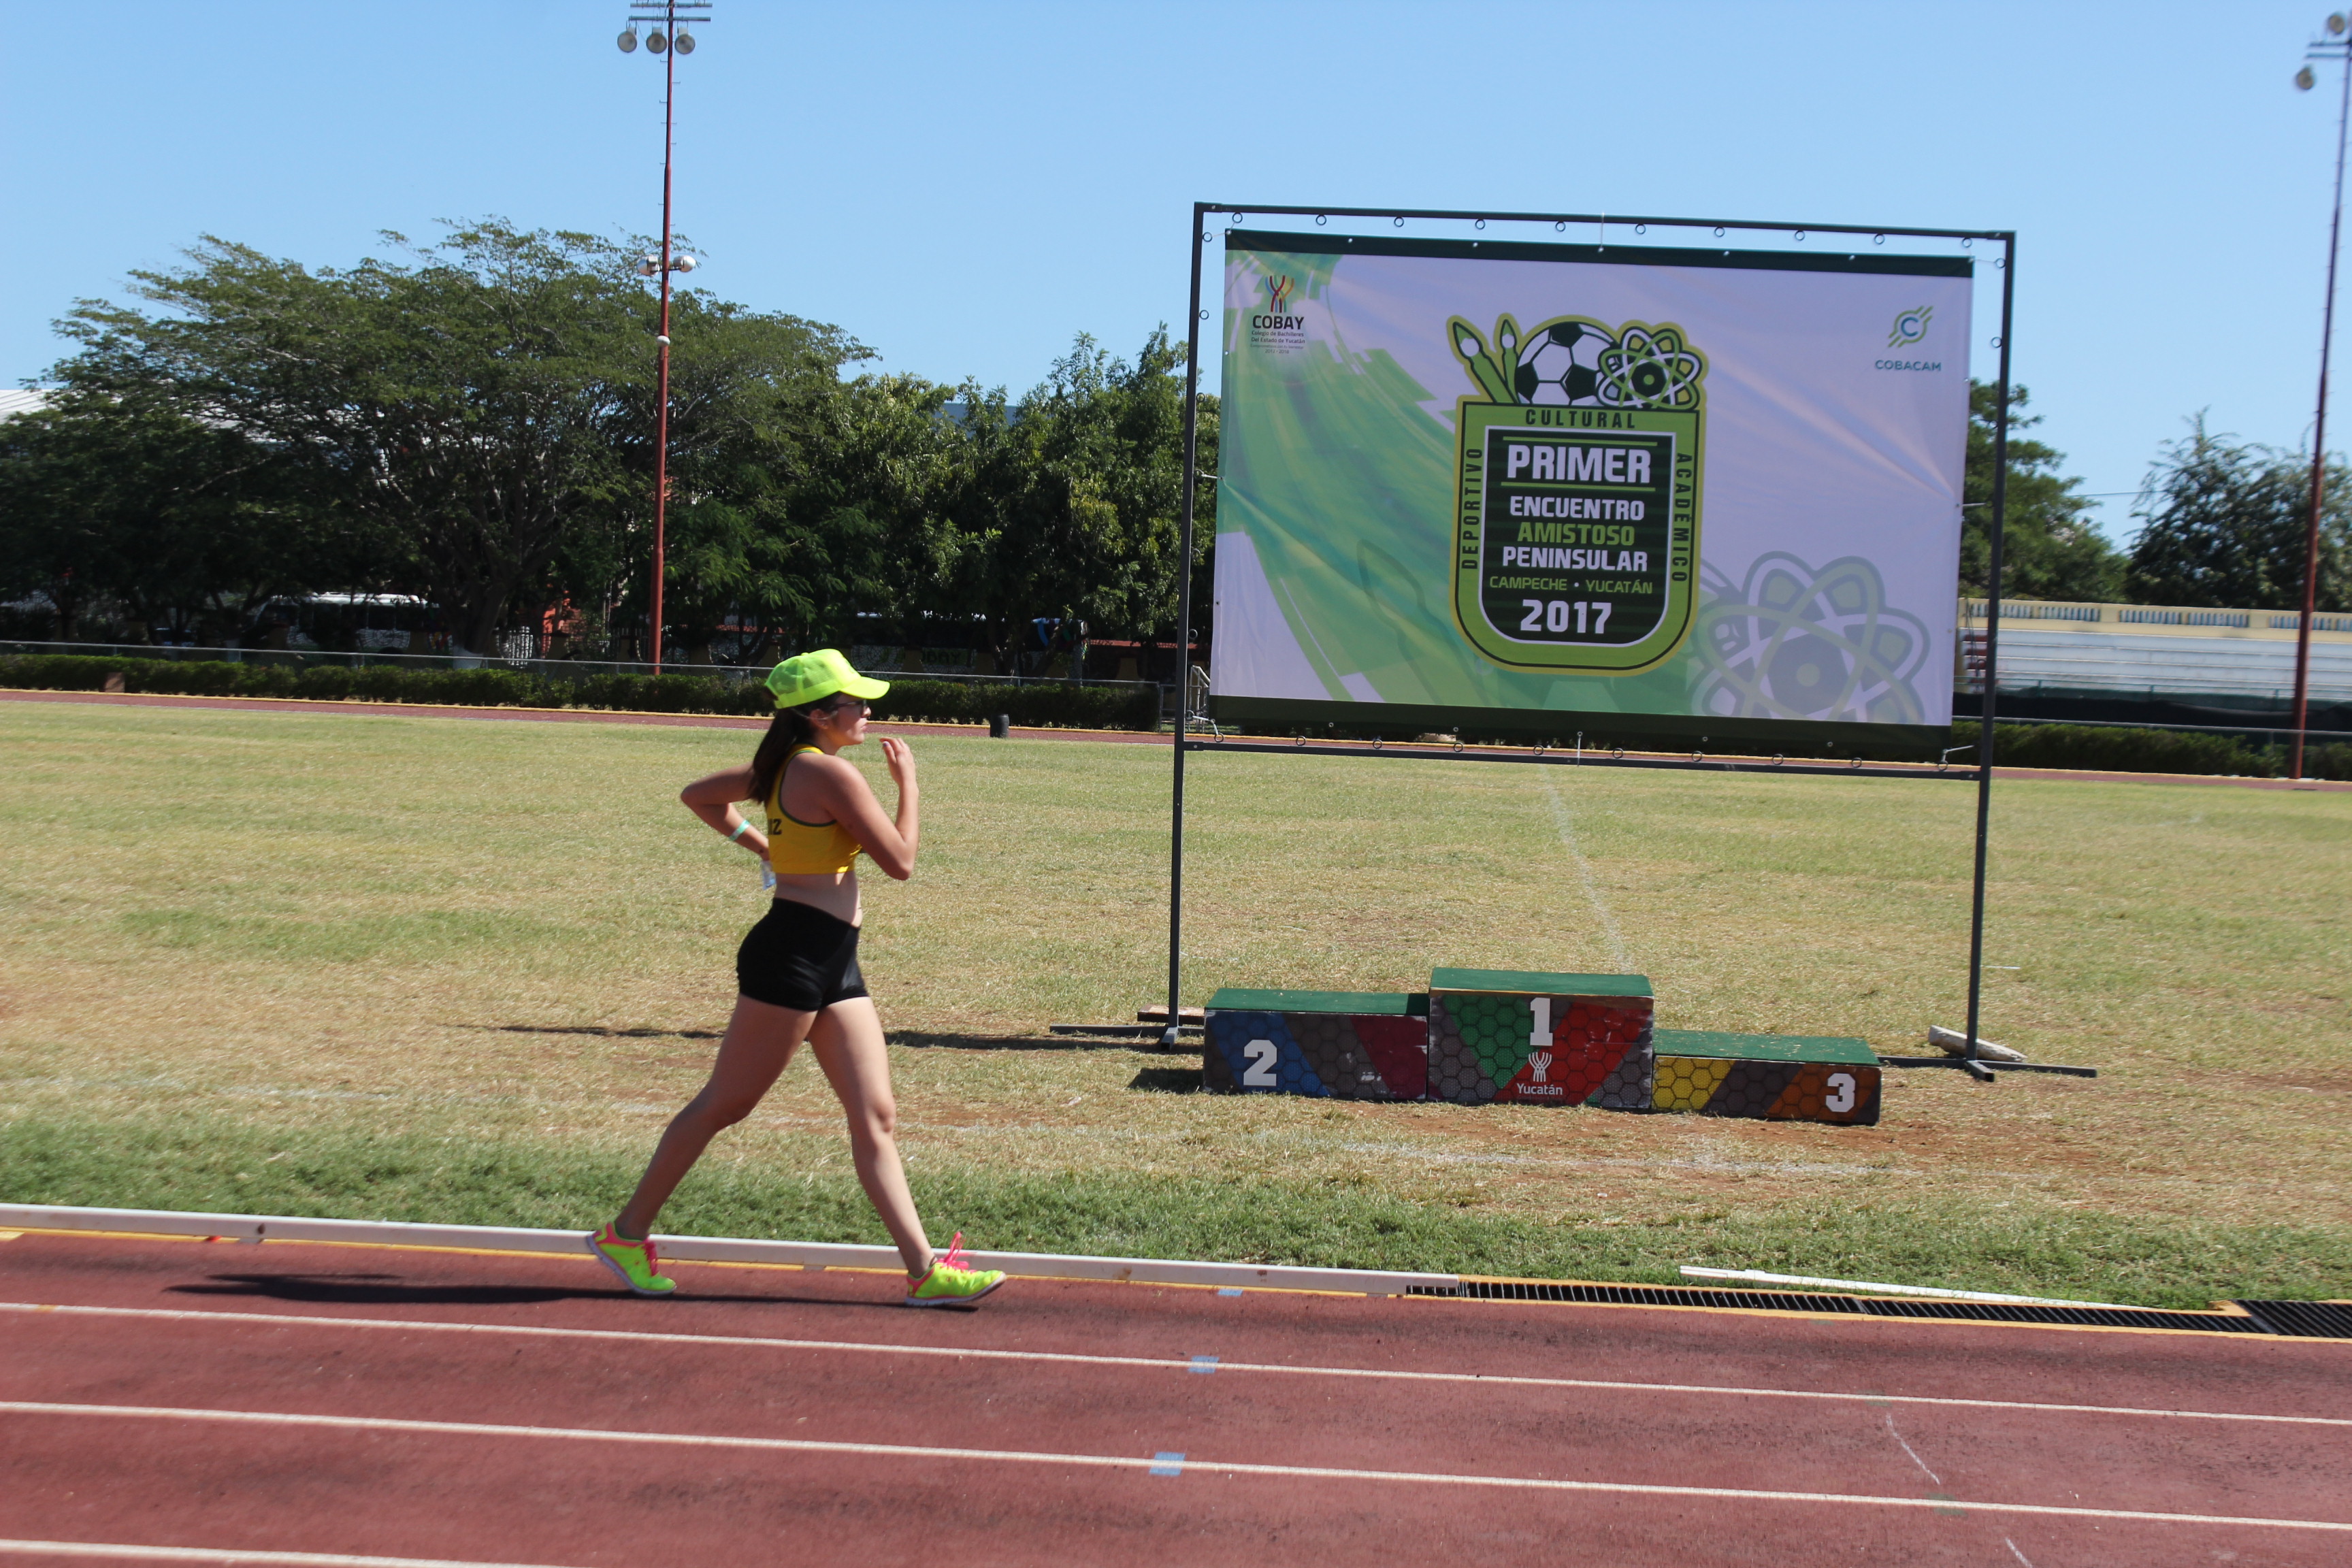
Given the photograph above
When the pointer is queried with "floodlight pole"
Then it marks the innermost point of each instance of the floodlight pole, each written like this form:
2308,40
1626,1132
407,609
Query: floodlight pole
661,350
669,44
1991,653
2341,52
1170,1036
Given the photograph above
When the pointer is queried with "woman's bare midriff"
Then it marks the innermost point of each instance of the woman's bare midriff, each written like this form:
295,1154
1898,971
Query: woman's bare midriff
835,892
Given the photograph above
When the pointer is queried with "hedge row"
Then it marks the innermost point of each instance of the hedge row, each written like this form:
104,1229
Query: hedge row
2091,748
949,702
2095,748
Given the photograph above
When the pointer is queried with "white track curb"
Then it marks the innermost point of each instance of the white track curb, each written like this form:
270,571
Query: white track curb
714,1250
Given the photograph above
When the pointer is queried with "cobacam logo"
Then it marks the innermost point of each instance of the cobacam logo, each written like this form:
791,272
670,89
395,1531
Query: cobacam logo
1910,327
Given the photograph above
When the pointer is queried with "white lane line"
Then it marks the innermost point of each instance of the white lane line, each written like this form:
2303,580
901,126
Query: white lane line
109,1549
1567,828
1144,1462
1181,1364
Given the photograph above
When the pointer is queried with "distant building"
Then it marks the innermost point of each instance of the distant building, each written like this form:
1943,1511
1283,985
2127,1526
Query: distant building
22,400
2059,660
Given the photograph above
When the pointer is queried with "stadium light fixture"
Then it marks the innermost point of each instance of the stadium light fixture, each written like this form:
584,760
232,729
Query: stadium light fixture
2335,48
665,21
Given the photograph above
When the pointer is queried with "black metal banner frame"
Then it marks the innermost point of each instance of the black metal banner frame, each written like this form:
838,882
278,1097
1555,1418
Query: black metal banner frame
1202,238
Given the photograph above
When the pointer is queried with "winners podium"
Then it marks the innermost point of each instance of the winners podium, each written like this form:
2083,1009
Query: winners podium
1480,1035
1552,1039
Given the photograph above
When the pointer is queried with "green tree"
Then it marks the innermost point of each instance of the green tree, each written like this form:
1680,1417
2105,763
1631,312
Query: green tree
1067,504
2049,548
466,403
820,512
765,443
136,507
2228,525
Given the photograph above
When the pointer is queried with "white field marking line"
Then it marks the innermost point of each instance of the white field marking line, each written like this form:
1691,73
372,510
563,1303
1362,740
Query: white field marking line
1936,1292
2013,1552
1567,827
1122,1462
222,1555
1912,1451
1178,1363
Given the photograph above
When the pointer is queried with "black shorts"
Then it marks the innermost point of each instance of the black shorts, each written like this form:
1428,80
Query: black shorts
799,957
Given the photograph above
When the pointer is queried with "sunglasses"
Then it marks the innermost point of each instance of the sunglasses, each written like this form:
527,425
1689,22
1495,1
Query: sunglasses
847,704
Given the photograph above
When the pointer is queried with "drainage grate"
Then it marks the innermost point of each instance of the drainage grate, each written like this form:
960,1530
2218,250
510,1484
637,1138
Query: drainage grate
2304,1320
2078,1317
1642,1296
2316,1319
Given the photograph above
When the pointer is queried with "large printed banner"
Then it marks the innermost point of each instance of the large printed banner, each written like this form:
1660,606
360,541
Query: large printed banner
1677,493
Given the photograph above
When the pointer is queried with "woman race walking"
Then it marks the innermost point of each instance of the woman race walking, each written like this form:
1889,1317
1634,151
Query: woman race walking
797,973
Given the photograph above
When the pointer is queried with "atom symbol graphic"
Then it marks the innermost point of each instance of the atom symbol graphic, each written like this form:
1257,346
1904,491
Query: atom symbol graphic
1650,369
1792,642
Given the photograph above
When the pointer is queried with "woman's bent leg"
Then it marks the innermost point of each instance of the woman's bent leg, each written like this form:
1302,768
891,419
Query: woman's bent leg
847,1038
761,1039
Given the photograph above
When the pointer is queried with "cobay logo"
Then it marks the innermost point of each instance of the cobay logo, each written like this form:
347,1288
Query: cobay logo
1276,326
1278,295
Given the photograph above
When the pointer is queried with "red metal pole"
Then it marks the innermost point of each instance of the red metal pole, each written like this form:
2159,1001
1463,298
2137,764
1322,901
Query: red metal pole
2318,452
661,410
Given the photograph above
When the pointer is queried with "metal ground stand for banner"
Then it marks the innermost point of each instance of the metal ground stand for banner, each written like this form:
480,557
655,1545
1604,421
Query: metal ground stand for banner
1202,236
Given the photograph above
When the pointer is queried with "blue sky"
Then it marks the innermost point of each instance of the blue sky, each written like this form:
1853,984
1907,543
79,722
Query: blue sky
964,187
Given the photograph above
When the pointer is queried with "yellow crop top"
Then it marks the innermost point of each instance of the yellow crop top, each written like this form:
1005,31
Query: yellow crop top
797,848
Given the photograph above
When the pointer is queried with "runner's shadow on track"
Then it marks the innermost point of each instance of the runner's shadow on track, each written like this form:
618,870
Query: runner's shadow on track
377,1290
385,1290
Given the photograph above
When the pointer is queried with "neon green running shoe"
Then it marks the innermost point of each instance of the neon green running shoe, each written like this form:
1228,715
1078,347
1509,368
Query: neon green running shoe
950,1282
634,1261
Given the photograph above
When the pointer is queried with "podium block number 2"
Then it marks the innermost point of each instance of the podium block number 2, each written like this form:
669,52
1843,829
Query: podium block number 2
1260,1075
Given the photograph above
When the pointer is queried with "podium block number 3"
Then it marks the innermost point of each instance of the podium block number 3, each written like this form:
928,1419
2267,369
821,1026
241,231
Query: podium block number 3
1260,1075
1841,1095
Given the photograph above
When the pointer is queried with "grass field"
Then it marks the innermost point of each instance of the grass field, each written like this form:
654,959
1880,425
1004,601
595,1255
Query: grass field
429,968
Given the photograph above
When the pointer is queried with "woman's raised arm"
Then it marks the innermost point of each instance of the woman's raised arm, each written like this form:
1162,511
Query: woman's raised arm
891,843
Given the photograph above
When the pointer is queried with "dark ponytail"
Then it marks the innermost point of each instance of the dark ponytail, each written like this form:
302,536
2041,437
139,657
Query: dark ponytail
791,729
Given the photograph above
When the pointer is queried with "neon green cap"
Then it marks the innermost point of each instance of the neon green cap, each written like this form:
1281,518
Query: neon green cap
807,677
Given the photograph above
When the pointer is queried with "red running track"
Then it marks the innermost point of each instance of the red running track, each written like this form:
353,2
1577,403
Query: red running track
351,1404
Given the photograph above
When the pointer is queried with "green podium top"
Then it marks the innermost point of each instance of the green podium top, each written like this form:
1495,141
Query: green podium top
1392,1003
1528,982
1762,1047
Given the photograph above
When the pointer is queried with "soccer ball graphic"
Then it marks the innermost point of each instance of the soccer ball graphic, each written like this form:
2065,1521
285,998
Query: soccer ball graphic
1561,363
